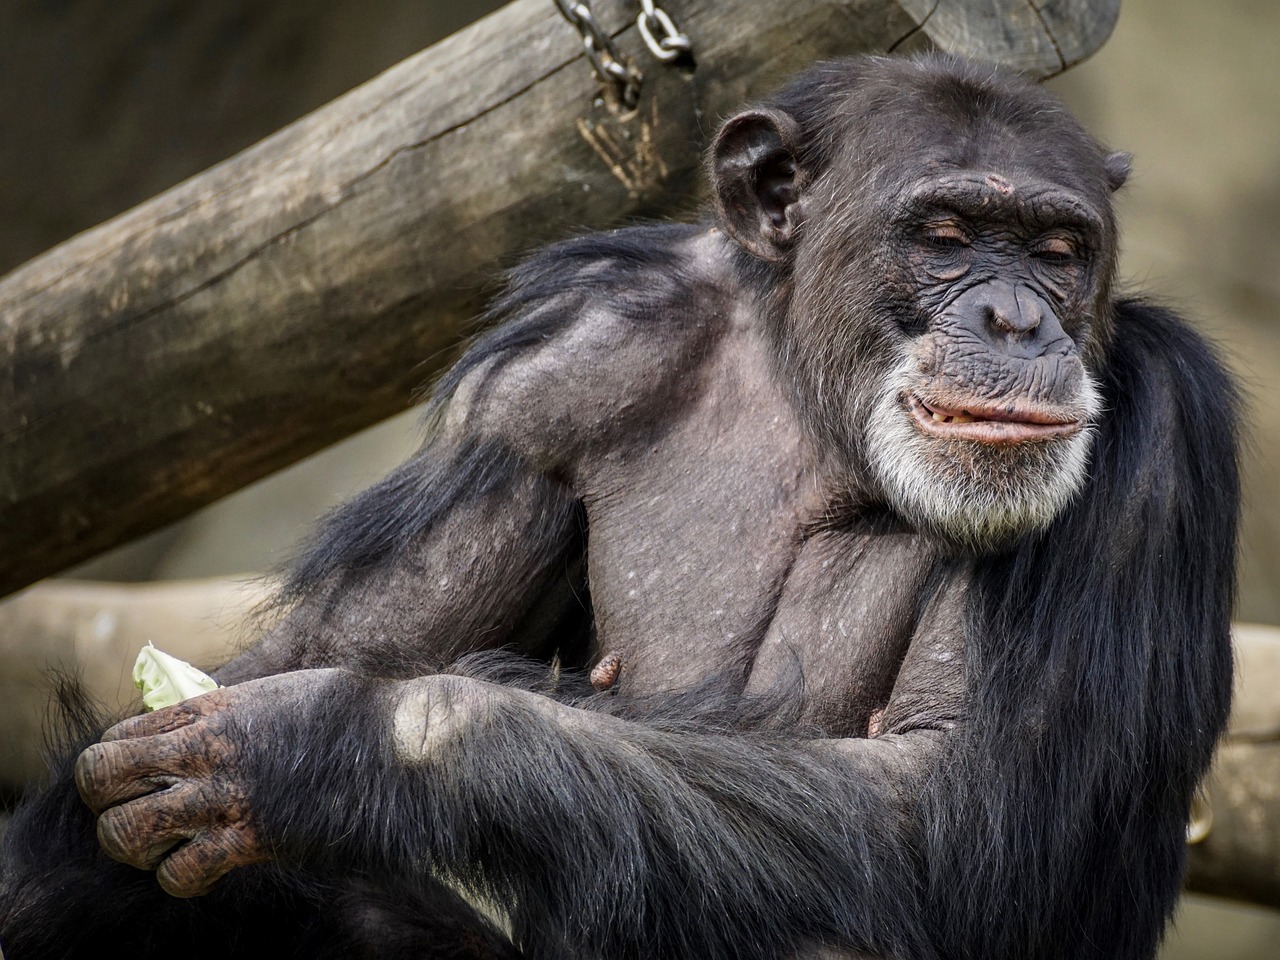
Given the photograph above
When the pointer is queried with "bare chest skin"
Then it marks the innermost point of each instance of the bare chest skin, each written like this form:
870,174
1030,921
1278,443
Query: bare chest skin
845,618
680,592
736,583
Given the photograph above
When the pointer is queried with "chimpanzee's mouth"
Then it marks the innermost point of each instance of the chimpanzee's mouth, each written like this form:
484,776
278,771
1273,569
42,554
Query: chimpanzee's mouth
988,423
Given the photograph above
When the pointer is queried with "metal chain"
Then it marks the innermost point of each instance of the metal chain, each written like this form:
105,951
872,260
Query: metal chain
660,33
610,66
666,42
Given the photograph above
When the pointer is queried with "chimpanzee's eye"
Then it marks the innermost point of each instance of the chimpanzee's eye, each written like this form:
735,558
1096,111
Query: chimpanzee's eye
1055,249
946,235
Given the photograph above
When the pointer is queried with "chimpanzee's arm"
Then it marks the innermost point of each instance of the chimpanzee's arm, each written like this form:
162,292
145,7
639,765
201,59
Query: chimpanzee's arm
603,836
495,560
476,542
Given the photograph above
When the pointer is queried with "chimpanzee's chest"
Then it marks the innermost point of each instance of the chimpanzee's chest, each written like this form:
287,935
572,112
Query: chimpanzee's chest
843,622
682,597
699,565
686,562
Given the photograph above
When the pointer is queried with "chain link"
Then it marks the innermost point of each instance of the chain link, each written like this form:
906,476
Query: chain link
666,43
610,65
660,33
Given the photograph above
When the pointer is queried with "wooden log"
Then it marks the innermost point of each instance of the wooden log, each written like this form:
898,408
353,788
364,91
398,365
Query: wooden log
310,285
1237,829
1043,37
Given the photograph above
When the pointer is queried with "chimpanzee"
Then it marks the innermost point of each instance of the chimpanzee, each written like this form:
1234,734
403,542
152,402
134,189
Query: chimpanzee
848,574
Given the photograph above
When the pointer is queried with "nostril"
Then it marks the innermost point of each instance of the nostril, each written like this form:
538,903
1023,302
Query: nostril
999,320
1016,321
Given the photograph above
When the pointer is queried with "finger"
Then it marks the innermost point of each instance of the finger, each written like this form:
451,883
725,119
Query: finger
166,720
195,867
111,773
141,832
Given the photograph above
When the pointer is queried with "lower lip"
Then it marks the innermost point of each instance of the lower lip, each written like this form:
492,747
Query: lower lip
995,432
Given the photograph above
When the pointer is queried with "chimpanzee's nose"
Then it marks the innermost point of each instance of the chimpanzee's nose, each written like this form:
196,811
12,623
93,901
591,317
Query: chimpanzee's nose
1012,309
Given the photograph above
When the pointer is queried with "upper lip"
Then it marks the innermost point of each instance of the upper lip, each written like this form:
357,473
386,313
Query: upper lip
991,422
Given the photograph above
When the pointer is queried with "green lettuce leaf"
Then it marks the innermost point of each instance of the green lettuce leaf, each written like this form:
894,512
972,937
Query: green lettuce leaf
165,680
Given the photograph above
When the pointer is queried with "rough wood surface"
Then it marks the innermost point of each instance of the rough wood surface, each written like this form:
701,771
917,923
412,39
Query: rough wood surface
308,286
1042,37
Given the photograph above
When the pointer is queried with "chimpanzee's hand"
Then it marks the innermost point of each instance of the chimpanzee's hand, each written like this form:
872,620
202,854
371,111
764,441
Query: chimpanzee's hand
169,787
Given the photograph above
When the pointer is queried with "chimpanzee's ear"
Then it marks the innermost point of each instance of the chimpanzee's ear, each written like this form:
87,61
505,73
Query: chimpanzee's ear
758,181
1118,165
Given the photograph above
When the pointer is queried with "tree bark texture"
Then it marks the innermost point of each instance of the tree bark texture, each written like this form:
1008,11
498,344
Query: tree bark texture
312,284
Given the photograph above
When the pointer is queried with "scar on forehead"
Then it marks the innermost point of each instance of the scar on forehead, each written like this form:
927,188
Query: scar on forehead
999,183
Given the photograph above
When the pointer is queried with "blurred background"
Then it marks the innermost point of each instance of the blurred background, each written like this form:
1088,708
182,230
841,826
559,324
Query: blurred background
104,103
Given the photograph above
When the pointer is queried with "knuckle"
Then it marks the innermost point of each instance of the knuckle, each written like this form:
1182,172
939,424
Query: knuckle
180,875
120,836
161,721
196,867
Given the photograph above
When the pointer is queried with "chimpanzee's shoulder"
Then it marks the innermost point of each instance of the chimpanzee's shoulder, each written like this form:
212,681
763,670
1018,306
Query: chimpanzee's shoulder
638,281
591,338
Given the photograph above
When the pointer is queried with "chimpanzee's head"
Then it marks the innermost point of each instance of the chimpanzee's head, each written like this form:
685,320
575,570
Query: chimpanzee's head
942,237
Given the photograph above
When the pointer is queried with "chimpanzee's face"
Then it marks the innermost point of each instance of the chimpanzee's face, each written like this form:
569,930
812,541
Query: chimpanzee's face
951,296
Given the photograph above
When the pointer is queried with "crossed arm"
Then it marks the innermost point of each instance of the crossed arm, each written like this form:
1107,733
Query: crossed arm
596,831
600,835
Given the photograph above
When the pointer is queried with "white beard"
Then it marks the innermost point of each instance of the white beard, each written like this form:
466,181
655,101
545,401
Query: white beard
975,494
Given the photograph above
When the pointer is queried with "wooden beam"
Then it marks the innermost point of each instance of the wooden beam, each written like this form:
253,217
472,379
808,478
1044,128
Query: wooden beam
1040,37
308,286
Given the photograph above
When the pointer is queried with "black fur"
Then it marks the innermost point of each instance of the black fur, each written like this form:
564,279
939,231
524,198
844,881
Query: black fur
1100,670
546,293
377,524
1099,653
56,890
713,829
1099,648
542,296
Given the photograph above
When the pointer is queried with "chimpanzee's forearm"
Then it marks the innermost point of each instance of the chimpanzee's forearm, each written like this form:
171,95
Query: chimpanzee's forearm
603,836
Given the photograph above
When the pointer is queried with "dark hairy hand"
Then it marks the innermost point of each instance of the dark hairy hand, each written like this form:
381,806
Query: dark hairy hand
168,789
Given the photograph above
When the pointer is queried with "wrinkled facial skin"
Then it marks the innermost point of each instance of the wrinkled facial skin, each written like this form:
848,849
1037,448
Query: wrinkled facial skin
978,303
983,430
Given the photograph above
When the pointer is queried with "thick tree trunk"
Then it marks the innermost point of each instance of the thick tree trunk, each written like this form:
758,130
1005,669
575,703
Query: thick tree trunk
310,285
